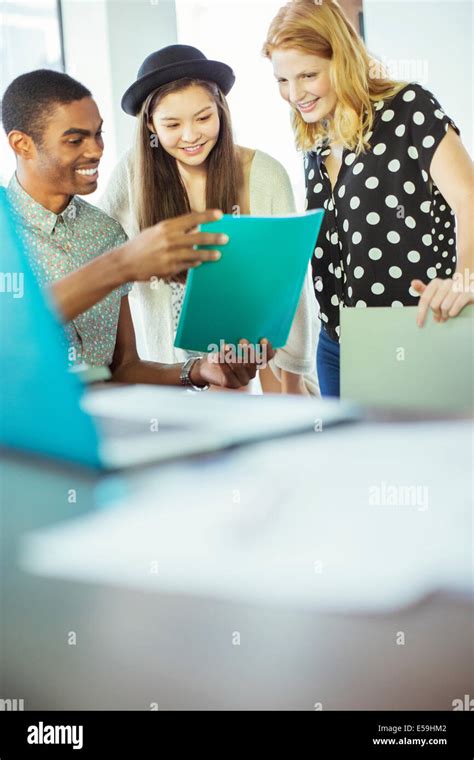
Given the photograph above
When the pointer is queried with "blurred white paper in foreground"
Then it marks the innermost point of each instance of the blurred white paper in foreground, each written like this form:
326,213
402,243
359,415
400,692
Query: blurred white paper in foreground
311,521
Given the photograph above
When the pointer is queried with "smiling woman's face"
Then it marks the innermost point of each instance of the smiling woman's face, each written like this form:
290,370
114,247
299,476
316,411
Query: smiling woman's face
187,124
304,82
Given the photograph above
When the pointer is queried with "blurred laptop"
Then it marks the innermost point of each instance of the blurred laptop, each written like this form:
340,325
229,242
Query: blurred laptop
388,361
44,409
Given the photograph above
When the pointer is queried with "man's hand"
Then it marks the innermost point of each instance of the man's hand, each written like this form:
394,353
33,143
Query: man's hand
444,297
228,370
168,248
161,251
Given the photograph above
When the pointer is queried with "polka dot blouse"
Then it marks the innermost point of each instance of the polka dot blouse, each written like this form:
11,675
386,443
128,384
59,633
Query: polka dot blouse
386,223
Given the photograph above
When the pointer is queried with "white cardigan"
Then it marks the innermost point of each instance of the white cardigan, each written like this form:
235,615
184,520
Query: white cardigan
270,194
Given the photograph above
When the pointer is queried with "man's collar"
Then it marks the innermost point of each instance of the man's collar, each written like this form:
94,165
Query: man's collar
34,213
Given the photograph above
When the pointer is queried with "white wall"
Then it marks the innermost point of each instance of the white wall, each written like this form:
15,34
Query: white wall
433,40
233,31
105,43
136,28
106,40
87,56
424,40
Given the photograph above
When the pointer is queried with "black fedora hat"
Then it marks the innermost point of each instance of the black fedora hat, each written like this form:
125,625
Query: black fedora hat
171,63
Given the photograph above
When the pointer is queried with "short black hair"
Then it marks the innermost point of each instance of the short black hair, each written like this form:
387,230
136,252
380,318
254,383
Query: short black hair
28,101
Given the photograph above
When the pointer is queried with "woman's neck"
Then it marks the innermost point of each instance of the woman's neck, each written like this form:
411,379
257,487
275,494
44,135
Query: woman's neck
194,179
192,174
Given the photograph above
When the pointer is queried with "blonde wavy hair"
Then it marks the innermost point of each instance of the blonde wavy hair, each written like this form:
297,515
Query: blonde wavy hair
320,27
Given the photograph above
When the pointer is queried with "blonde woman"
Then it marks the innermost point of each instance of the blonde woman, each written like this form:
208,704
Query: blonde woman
185,159
388,166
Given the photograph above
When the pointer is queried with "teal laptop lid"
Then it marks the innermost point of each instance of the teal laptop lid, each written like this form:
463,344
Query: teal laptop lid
39,400
253,291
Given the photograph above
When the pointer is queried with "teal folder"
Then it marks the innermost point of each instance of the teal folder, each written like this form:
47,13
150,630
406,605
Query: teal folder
253,291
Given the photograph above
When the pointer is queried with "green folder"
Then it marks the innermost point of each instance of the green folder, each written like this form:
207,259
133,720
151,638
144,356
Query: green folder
253,291
387,360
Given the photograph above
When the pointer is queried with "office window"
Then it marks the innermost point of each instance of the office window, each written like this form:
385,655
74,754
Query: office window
30,38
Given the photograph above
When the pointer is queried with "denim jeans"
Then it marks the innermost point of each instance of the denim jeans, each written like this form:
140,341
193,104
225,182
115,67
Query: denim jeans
327,365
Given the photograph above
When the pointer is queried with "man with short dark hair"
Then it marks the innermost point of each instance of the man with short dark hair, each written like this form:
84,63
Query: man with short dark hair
55,129
29,100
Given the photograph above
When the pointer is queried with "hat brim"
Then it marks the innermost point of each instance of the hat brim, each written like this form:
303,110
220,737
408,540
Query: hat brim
212,71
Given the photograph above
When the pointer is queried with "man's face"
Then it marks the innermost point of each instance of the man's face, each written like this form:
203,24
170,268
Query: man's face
68,156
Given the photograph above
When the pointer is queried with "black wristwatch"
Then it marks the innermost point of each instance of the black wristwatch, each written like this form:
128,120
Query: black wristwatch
184,377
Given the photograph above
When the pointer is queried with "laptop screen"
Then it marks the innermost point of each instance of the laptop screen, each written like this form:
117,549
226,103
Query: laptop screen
387,360
39,399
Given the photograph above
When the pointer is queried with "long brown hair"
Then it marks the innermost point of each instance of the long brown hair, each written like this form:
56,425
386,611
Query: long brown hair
159,191
359,80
